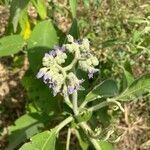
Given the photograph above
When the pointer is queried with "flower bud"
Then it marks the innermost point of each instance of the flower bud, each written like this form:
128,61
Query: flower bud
94,61
70,38
86,44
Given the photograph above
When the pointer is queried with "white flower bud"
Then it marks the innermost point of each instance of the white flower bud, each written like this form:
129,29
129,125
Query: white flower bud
69,48
70,38
89,62
75,47
83,65
86,44
95,61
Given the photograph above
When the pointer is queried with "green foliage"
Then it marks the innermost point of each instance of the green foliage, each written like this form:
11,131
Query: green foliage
127,79
11,45
40,95
106,145
25,127
42,141
74,30
73,7
107,88
139,87
43,35
15,10
41,8
43,38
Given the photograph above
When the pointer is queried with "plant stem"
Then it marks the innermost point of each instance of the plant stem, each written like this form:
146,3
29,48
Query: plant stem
98,106
85,102
64,123
68,139
68,102
95,143
66,98
62,70
74,102
69,67
105,103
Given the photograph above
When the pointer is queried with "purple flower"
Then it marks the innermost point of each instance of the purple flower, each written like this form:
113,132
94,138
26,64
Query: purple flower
40,74
46,77
52,53
71,89
56,50
91,72
75,87
63,49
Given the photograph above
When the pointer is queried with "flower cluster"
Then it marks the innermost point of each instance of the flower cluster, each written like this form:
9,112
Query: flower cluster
62,79
87,61
51,73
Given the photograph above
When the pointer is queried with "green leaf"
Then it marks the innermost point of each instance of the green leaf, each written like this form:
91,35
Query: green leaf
43,35
86,3
106,145
139,87
73,7
42,141
74,31
102,117
41,40
25,127
108,88
25,24
41,8
40,95
11,44
15,10
127,79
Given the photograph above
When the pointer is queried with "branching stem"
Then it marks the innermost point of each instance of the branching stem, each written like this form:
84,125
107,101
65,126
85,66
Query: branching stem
64,123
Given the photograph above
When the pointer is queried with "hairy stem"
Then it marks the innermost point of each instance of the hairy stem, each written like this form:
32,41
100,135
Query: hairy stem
63,123
75,102
105,103
85,102
98,106
68,139
86,128
66,98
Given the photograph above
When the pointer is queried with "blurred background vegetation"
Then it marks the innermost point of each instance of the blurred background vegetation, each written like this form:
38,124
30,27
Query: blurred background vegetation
119,31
